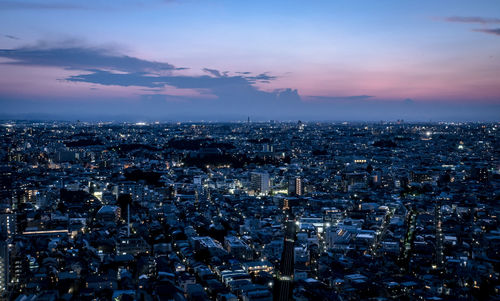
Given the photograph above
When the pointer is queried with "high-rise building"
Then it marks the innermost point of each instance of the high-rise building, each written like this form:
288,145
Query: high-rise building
267,148
295,186
283,282
259,182
6,187
4,266
7,225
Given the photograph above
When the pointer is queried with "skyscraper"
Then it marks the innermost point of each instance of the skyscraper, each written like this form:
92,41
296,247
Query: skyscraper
283,282
295,186
4,265
259,182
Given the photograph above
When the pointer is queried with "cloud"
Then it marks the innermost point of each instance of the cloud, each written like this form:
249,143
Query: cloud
288,94
81,58
105,67
339,98
8,36
214,72
263,78
226,94
479,20
217,90
107,78
220,85
495,31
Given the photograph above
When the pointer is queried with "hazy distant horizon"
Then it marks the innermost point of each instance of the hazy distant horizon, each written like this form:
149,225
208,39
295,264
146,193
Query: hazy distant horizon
33,117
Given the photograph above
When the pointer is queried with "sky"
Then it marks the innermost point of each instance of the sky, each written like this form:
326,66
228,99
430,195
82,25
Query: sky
215,60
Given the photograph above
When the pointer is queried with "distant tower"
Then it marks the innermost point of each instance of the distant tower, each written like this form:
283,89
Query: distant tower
283,281
128,220
248,119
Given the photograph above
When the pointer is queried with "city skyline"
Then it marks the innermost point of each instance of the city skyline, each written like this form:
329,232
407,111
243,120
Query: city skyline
225,61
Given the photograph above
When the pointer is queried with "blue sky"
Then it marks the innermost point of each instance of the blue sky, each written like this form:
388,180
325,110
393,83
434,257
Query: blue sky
318,60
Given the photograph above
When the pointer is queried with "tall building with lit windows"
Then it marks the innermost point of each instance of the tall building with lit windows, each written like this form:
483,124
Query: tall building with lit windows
7,231
7,225
259,182
6,187
295,186
4,266
283,282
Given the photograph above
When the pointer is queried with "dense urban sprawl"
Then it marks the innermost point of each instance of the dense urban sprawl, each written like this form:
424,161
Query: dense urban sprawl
249,211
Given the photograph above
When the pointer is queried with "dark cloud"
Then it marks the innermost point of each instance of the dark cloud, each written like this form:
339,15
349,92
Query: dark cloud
106,68
81,58
214,72
220,85
144,79
495,31
230,91
263,78
479,20
107,78
147,80
8,36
